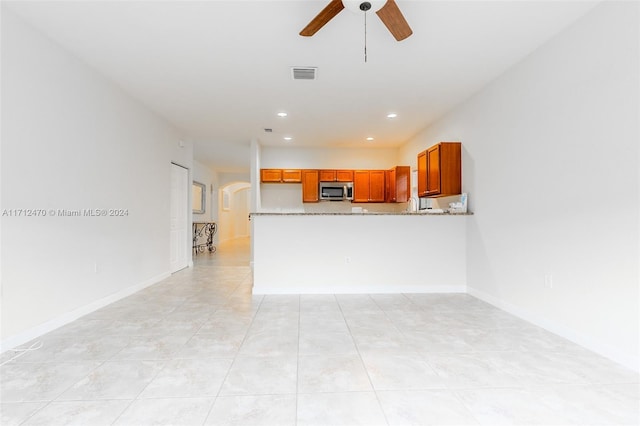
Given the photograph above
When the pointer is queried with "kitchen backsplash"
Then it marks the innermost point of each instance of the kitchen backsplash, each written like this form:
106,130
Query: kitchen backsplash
288,198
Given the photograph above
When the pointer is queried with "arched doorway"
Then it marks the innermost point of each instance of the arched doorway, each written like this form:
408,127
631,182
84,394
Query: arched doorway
234,201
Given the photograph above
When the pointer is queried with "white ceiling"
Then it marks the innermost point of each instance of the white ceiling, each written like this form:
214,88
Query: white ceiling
220,70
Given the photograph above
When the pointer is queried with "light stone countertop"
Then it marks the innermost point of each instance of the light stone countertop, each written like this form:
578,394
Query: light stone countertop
359,214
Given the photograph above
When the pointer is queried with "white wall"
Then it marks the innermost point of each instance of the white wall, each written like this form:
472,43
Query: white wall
359,254
227,178
254,176
550,163
72,140
328,158
203,174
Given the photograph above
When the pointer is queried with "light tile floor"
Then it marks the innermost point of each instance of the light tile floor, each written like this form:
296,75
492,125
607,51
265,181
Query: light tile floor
200,349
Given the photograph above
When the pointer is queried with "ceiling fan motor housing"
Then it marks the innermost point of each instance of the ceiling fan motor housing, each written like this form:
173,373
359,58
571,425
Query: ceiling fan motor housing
359,6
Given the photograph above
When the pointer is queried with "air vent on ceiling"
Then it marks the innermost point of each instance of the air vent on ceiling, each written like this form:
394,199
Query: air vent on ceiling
304,73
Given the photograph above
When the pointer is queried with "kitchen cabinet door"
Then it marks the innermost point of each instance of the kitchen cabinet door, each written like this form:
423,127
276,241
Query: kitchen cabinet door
327,175
390,186
403,184
344,175
271,175
398,184
368,186
422,174
292,176
336,175
310,186
376,186
361,186
433,170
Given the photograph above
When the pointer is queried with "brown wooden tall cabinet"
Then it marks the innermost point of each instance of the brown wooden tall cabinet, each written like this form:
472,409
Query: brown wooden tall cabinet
398,184
310,186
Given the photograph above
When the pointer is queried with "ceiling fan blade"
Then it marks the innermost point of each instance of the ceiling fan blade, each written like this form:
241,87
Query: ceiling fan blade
391,16
322,18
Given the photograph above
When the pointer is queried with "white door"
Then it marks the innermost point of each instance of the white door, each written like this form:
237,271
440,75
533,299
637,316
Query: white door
179,220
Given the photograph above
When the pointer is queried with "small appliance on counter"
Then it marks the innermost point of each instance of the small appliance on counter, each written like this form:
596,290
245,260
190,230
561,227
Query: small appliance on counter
424,203
460,206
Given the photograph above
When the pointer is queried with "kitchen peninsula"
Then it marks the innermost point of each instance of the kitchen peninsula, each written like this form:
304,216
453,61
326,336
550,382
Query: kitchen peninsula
387,252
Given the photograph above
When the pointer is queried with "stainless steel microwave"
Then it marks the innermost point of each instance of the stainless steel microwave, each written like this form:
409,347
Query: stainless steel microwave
336,191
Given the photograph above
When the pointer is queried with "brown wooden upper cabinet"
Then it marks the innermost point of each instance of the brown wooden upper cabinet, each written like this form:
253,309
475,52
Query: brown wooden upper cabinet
271,175
310,186
440,170
398,184
368,186
280,175
336,175
292,176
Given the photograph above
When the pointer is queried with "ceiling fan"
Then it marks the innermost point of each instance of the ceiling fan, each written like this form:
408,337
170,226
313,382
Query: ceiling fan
387,11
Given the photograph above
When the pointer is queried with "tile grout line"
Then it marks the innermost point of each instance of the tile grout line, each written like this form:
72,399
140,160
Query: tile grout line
384,415
164,365
223,381
215,399
164,361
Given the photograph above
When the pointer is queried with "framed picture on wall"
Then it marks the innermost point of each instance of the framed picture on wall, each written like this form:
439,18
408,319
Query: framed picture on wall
198,194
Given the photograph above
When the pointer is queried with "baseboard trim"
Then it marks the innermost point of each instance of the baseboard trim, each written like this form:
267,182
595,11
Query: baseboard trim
607,351
64,319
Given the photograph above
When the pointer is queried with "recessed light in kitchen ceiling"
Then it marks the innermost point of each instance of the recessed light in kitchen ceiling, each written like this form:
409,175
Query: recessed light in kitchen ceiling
287,138
369,138
282,114
392,115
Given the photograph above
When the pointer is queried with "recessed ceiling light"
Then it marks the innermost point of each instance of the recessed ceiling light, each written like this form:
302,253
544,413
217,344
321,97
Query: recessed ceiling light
369,138
392,115
288,138
282,114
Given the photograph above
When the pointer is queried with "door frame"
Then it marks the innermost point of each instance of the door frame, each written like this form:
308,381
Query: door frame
187,221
